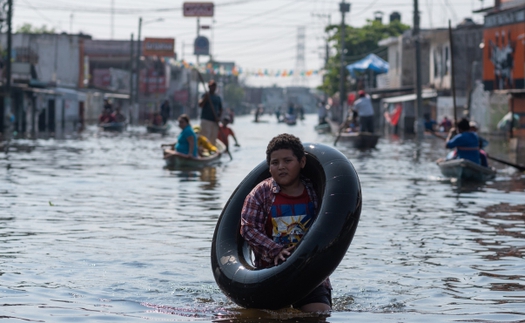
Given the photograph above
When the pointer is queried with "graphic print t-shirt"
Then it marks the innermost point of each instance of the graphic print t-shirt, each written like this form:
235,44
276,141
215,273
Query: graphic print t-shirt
290,218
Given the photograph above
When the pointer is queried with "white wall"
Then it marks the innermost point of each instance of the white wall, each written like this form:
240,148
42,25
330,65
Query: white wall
58,56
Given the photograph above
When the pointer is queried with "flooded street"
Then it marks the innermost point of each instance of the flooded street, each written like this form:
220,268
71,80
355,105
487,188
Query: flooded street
95,229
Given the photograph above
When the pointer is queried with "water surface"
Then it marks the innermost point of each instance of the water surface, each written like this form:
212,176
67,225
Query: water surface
94,228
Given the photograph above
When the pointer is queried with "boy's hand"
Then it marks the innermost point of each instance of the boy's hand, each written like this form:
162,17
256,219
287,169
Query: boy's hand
281,257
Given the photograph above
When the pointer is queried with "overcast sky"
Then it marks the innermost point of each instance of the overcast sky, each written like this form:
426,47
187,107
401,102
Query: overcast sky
255,34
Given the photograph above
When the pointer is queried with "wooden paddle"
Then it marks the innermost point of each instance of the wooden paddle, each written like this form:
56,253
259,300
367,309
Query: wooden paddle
212,108
519,167
341,128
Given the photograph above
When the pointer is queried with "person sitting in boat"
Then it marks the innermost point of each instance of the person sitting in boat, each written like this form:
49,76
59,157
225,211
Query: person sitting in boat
466,143
108,106
430,124
445,124
187,140
482,144
279,211
365,110
225,132
157,119
204,146
118,116
106,117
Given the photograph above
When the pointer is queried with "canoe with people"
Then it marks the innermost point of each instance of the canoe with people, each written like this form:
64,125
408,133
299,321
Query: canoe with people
358,128
157,124
191,148
110,120
468,161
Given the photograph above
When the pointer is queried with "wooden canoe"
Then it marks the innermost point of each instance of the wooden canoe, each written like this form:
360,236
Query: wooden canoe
113,126
465,170
158,129
175,160
360,140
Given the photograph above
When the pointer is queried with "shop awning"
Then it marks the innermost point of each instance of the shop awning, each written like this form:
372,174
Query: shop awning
410,97
371,62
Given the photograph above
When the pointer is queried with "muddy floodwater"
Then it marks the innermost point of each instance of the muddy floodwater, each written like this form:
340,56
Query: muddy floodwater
94,228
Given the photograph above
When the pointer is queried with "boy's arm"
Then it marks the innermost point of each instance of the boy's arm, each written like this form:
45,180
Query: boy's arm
253,230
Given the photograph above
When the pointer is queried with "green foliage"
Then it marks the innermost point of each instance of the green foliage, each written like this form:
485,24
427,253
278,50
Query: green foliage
359,42
27,28
233,95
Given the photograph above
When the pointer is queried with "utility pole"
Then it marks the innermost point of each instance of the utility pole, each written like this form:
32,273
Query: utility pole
198,34
419,101
137,69
7,93
131,69
344,8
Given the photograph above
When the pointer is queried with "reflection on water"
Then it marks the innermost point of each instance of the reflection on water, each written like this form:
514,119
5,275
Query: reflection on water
96,228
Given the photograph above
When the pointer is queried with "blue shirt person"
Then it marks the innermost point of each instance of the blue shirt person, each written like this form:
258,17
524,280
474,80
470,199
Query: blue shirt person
187,140
466,142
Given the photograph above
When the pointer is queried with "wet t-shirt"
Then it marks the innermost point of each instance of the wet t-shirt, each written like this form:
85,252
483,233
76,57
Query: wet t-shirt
290,218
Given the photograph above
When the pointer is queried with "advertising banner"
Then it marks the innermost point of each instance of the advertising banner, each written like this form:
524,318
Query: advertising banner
152,82
162,47
198,9
181,96
504,57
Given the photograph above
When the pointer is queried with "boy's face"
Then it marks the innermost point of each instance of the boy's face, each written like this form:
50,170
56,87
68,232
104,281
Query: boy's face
285,167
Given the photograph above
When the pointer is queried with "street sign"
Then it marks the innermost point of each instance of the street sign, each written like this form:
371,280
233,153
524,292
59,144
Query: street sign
201,46
198,9
158,47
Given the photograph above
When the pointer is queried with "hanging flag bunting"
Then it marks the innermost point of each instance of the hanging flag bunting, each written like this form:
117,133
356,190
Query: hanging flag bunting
239,71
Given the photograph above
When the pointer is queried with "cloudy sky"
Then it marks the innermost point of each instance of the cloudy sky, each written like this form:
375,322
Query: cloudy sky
255,34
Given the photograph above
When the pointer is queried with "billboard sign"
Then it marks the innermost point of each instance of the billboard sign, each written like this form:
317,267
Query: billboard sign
504,51
164,47
198,9
201,46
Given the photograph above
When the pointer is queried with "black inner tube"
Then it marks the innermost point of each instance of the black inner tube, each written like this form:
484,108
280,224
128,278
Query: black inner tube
315,258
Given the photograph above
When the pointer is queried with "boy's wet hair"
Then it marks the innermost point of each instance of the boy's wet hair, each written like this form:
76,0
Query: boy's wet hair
285,141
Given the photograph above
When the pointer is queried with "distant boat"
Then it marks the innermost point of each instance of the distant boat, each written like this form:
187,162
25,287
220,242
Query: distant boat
463,169
323,128
113,126
175,160
290,119
359,140
158,129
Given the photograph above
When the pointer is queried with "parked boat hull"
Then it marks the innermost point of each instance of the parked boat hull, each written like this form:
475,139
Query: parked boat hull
465,170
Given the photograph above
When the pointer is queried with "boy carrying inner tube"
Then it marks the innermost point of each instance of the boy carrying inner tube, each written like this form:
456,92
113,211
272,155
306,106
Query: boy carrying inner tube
279,211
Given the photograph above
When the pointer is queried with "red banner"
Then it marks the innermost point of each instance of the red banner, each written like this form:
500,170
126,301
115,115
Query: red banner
151,82
181,96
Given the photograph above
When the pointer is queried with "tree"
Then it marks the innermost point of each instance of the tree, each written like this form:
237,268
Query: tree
27,28
359,42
